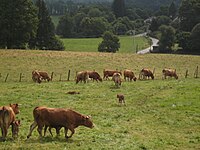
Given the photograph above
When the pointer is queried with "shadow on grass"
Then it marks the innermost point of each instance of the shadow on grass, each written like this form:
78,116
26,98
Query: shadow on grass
49,139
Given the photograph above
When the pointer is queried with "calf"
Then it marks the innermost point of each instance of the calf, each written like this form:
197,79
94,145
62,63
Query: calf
109,73
82,76
117,79
94,75
146,73
44,75
7,118
58,117
130,75
170,73
121,98
36,76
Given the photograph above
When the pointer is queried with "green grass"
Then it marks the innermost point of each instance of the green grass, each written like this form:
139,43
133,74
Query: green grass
127,44
159,114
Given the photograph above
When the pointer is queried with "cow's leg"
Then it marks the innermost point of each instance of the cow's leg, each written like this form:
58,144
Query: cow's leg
72,131
58,131
39,129
32,127
45,130
50,131
66,130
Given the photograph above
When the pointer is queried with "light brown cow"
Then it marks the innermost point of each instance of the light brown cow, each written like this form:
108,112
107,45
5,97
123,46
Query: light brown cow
44,75
121,98
109,73
58,117
36,76
130,75
7,118
170,73
94,75
117,79
82,76
146,73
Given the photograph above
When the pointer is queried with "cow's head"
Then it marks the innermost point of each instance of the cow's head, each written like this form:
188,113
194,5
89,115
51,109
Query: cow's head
15,108
134,78
175,75
100,79
15,128
87,122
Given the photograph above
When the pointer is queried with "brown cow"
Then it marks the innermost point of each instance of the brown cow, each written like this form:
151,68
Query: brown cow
94,75
7,118
117,79
121,98
82,76
50,127
146,73
109,73
44,76
58,117
130,75
170,73
36,76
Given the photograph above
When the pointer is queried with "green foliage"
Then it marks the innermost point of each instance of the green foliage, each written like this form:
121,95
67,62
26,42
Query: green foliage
167,38
189,14
18,23
45,37
118,7
172,10
195,38
184,40
110,43
65,26
158,21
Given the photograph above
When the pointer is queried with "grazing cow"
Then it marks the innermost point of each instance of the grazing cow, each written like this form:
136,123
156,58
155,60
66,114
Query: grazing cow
121,98
36,76
170,73
82,76
146,73
7,118
94,75
44,76
117,79
109,73
130,75
58,117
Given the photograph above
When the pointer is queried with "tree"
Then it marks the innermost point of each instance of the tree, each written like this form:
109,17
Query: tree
18,23
184,40
118,7
195,38
110,43
45,37
172,10
189,14
65,26
167,38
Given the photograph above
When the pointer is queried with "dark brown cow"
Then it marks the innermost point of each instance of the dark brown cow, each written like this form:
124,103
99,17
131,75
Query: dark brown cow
7,118
170,73
146,73
44,75
121,98
58,117
117,79
82,76
94,75
130,75
36,76
109,73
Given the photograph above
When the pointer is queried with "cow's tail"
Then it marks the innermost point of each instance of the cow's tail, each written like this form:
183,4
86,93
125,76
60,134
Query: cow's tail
5,117
36,114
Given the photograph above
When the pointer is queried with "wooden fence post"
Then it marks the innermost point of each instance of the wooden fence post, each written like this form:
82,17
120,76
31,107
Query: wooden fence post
52,76
6,77
196,72
20,77
154,69
60,77
68,75
186,73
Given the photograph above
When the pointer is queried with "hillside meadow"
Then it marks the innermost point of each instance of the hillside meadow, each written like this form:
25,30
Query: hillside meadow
159,114
128,44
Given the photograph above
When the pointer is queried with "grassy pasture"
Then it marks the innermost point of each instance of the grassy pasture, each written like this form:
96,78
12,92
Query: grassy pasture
159,114
128,44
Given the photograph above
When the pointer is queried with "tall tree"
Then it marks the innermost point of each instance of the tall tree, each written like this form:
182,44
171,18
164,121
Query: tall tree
195,38
189,14
119,8
45,38
172,10
18,23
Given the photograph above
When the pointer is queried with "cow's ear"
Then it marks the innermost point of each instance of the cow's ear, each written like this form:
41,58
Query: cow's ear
19,122
10,105
16,105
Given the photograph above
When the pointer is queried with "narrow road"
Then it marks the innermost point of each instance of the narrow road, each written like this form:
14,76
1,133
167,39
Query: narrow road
147,50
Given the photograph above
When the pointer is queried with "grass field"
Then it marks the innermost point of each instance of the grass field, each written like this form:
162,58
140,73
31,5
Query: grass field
127,44
159,114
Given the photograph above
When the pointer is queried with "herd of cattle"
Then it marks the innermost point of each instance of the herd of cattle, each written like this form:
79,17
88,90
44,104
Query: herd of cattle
116,75
43,117
57,118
